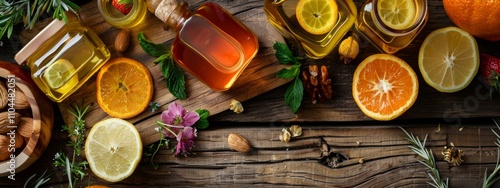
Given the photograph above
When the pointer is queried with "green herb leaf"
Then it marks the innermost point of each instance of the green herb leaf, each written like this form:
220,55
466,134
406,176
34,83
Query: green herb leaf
294,94
150,48
284,54
289,73
202,123
174,78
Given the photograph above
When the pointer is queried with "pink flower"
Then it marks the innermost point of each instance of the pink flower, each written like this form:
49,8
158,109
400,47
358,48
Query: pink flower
178,123
177,116
185,141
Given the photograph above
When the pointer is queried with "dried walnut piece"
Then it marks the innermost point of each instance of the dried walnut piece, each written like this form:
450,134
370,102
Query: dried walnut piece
317,83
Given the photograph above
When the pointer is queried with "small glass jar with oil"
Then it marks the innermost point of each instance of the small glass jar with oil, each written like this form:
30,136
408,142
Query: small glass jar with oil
63,56
379,23
128,14
286,17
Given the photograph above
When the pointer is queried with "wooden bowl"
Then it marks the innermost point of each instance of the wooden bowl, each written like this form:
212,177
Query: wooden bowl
43,120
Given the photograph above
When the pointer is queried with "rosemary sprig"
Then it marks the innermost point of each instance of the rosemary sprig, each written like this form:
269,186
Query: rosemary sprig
428,159
493,177
35,183
74,169
28,11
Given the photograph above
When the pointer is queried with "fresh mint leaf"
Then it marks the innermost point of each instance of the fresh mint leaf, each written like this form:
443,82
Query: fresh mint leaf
284,54
289,73
174,77
294,94
150,48
202,123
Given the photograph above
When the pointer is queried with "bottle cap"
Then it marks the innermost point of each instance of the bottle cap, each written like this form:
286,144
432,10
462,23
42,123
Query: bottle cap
38,40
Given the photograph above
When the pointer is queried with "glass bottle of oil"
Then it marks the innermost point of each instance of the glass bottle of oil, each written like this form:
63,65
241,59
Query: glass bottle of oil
281,14
210,44
389,40
63,56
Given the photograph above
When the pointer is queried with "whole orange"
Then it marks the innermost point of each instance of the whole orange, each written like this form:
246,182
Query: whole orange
480,18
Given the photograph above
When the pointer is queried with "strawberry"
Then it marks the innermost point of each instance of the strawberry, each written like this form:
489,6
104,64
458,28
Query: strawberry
489,70
124,6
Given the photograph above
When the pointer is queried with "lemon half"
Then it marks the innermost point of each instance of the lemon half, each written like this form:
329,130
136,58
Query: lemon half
317,16
397,14
61,76
113,149
449,59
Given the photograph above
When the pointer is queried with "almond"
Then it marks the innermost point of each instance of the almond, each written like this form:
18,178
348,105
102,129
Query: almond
21,100
25,127
122,40
4,147
19,140
238,143
5,121
3,95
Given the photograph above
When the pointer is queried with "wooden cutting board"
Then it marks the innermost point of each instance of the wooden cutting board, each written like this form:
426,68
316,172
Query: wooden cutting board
258,77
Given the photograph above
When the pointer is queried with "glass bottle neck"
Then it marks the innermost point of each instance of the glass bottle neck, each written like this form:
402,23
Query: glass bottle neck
172,12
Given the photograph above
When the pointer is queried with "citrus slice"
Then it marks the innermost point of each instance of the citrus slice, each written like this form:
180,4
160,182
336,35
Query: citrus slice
448,59
397,14
317,16
124,88
61,76
113,149
384,86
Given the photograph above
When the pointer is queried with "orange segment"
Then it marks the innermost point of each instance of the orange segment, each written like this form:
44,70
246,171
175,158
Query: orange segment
124,88
384,86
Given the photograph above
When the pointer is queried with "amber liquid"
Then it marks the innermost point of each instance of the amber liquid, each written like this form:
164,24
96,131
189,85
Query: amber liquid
282,17
214,47
389,41
76,44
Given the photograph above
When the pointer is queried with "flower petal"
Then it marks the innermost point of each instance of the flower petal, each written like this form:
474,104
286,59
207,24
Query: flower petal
190,118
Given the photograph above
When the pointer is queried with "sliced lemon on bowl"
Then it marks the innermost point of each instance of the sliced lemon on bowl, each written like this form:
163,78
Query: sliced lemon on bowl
449,59
397,14
113,149
61,76
317,16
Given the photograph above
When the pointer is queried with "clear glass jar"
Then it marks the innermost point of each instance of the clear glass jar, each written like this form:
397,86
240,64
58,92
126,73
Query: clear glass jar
63,45
117,19
370,26
210,44
281,15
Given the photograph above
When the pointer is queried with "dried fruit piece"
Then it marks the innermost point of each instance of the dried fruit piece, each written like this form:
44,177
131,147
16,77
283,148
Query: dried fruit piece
453,155
296,130
348,49
285,135
238,143
236,106
317,83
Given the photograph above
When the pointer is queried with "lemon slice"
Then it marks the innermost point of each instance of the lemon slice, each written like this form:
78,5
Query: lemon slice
449,59
57,76
113,149
317,16
397,14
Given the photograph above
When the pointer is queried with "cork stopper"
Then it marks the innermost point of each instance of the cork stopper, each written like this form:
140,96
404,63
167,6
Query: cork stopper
172,12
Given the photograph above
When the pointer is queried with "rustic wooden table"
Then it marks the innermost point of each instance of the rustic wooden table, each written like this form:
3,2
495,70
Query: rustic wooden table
378,152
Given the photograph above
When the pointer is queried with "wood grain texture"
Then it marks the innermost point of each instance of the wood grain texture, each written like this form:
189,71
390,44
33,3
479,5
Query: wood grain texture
387,160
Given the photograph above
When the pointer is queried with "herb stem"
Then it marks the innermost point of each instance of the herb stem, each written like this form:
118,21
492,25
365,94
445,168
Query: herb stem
165,126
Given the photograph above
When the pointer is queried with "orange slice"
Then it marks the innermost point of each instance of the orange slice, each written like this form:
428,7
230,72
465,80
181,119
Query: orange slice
124,88
384,86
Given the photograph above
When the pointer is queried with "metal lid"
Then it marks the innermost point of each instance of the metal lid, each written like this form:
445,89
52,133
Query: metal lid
38,40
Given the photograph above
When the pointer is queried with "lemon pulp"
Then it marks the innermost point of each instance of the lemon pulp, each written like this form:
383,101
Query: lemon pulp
317,16
113,149
449,59
397,14
61,76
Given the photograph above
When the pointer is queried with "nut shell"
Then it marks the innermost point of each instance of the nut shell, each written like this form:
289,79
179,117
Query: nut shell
3,95
4,147
122,40
25,127
5,122
21,100
238,143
